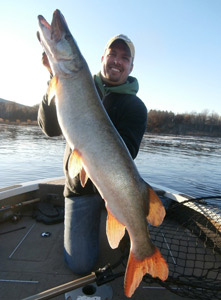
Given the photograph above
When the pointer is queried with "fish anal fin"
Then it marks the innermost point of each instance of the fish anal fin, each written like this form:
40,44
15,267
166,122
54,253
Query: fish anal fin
156,211
115,230
154,265
75,164
52,89
83,177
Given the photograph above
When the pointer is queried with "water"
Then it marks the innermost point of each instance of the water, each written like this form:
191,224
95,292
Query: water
188,164
26,154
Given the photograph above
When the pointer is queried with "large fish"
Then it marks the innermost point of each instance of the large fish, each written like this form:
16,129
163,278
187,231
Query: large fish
100,154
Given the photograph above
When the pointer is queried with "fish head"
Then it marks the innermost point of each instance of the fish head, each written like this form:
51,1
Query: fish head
62,51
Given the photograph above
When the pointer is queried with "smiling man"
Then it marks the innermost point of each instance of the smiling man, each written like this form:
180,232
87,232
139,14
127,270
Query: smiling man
117,90
117,62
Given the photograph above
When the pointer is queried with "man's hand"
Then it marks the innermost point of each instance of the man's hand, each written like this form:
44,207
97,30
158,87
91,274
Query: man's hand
45,62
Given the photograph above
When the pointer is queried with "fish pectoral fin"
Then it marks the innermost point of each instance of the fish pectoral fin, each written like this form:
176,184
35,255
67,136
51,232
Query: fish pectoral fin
156,211
75,164
154,265
75,167
83,177
115,230
52,89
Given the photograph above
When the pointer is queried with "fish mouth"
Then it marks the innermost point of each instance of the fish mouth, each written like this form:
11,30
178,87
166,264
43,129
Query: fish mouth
58,26
59,45
43,22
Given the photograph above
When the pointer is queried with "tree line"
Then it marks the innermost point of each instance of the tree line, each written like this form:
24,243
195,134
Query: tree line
184,124
158,122
12,112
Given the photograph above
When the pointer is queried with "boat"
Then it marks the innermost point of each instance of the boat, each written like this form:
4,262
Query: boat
31,249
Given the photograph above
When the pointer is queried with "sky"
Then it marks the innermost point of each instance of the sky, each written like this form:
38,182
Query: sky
177,48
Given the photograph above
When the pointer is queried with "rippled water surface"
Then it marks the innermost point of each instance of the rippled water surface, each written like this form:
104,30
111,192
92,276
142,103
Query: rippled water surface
185,163
27,154
188,164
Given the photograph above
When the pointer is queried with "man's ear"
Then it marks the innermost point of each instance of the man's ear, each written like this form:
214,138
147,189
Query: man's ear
131,67
102,58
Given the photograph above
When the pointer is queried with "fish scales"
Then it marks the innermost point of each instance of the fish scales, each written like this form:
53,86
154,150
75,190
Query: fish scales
100,154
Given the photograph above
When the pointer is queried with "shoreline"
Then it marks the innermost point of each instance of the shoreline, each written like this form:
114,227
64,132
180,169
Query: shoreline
189,133
23,123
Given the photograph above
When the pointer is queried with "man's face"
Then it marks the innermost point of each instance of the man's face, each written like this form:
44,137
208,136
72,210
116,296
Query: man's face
117,63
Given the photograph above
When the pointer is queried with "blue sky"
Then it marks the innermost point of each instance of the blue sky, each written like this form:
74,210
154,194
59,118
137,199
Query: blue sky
177,43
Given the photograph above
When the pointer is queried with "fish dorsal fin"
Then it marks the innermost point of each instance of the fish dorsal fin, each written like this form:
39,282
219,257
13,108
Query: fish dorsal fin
52,89
156,211
115,230
154,265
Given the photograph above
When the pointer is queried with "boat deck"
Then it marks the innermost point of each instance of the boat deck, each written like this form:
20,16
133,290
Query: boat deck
31,263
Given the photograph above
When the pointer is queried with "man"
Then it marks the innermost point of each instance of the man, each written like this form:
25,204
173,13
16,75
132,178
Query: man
117,91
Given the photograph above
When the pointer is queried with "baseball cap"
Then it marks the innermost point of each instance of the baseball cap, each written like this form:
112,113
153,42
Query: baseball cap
126,40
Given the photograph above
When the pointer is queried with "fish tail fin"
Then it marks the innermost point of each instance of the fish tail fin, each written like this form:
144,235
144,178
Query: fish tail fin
154,265
156,211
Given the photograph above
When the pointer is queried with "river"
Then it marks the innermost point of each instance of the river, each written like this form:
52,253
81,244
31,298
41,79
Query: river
188,164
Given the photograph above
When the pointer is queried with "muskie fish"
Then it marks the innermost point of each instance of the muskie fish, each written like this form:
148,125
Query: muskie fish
100,154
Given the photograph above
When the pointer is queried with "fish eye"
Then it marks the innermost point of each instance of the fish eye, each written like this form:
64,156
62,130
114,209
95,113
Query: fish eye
68,37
